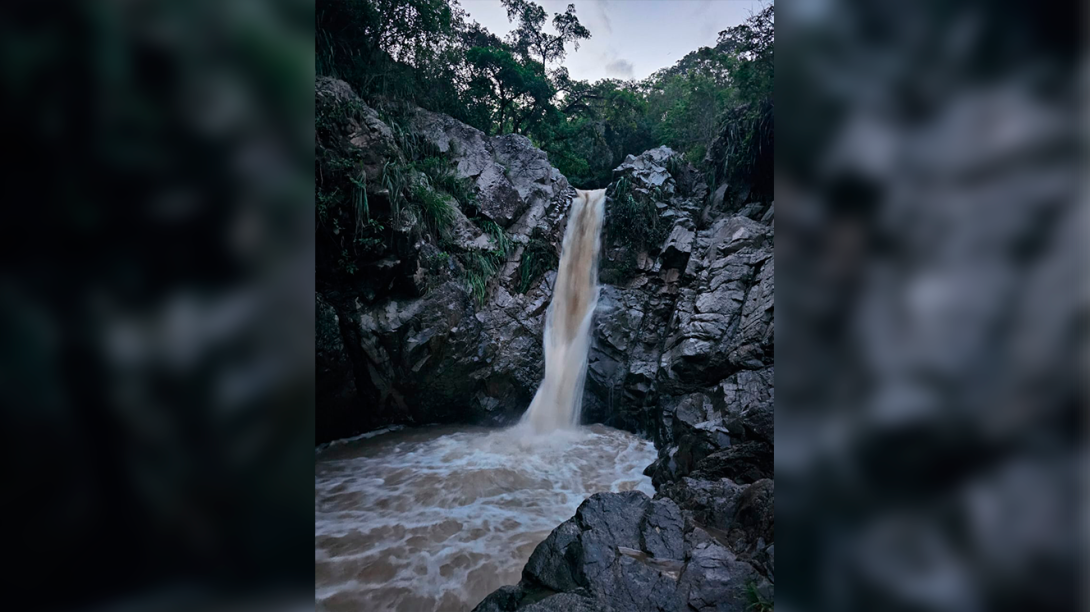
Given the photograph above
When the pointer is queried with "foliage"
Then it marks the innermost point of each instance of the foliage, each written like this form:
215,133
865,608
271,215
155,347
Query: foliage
634,217
440,171
499,237
345,225
757,602
436,211
531,40
394,181
537,258
480,267
742,154
425,52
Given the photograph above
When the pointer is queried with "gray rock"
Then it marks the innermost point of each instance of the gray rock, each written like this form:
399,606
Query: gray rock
510,175
678,246
557,562
567,602
616,515
662,530
715,579
744,462
748,396
503,599
711,503
359,125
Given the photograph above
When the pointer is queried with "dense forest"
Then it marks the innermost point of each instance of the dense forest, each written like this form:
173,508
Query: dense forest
427,52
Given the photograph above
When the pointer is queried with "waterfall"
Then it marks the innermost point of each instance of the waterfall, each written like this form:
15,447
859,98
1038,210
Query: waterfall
567,322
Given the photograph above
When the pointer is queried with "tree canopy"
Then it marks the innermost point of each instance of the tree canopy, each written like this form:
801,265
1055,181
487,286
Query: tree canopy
427,52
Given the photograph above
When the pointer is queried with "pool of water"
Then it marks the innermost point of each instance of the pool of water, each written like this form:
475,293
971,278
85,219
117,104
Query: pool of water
437,518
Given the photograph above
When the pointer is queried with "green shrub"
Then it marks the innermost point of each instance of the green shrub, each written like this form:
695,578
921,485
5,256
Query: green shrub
634,218
756,601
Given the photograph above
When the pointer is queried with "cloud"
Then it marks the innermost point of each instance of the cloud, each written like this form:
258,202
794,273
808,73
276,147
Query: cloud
604,17
620,68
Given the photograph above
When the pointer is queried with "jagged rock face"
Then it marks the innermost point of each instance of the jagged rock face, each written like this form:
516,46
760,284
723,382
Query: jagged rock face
695,316
628,553
683,348
683,352
362,130
406,342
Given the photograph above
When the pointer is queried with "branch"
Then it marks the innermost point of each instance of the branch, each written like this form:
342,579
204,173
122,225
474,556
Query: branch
579,102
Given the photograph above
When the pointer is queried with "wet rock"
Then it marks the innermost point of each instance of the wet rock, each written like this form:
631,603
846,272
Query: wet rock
711,503
715,579
662,530
625,552
503,599
556,562
567,602
748,397
755,518
744,462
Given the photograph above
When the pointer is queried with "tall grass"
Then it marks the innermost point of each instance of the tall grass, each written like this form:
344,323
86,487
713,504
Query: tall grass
480,267
537,258
436,211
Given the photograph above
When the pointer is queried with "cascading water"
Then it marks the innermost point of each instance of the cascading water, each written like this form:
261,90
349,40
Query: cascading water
567,322
434,519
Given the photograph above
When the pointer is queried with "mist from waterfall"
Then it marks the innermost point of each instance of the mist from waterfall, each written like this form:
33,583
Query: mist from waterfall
559,399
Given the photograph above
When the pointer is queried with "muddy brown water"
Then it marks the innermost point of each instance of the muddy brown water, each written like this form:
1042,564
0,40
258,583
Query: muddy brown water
435,519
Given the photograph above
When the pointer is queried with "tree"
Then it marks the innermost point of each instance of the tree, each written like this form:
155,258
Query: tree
514,87
753,43
426,53
742,155
531,40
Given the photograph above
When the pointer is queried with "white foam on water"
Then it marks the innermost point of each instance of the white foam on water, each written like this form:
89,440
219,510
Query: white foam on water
436,519
363,436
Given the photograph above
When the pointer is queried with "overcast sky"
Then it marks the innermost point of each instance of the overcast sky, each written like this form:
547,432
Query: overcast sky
629,38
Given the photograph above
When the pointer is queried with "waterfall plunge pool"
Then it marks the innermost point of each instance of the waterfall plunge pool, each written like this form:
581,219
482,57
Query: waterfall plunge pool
437,518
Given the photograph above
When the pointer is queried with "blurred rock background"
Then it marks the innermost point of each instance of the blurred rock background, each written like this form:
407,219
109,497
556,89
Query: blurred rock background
156,336
931,305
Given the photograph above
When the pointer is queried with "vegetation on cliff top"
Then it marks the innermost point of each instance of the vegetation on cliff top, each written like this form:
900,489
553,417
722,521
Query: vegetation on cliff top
428,53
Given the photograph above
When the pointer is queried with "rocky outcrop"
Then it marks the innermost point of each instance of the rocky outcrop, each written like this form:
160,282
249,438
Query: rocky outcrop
682,352
402,340
625,552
